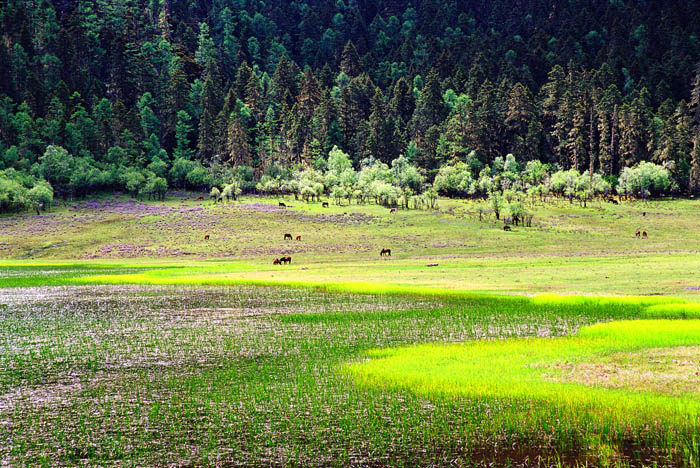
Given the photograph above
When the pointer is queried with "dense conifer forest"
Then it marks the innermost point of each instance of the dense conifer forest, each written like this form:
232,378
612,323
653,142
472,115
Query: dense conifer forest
146,95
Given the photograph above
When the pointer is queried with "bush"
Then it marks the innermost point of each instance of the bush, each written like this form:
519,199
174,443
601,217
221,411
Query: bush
13,195
214,194
133,181
155,187
455,181
644,180
40,197
198,177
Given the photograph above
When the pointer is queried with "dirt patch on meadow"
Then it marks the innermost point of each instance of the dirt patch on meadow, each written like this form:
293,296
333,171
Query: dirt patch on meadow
673,371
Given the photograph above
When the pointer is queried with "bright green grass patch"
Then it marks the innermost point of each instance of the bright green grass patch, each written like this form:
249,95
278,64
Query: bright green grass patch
526,370
680,311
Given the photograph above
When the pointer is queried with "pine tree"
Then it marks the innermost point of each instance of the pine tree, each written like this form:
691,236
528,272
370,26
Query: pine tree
309,94
430,112
206,51
694,182
207,120
519,115
354,109
284,82
379,143
237,148
253,96
695,96
350,60
402,102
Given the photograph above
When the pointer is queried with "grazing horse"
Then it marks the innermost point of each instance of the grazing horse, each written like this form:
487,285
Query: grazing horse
276,261
298,238
201,197
284,260
206,237
637,234
644,234
644,213
613,201
282,205
385,252
324,204
507,228
287,236
393,210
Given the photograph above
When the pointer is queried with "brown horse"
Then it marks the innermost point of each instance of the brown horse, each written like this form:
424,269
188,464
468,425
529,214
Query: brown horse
287,236
507,228
637,234
324,204
644,234
393,210
385,252
298,238
284,260
276,261
206,237
201,197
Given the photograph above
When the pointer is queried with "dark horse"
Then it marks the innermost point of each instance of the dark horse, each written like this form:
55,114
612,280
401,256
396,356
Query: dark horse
507,228
283,205
206,237
385,252
284,260
324,204
287,236
644,234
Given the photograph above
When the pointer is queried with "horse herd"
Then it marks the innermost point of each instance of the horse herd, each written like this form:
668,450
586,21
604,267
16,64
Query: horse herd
288,260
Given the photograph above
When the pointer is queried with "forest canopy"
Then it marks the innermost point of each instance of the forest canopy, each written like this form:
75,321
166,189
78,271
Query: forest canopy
142,95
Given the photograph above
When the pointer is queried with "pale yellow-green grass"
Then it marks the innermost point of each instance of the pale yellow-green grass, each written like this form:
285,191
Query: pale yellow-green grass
569,250
680,311
525,370
598,276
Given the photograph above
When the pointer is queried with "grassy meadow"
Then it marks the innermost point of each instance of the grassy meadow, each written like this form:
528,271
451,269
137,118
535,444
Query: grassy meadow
569,249
126,339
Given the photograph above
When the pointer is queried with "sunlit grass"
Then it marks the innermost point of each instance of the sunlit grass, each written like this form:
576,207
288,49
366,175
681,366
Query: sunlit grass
680,311
528,370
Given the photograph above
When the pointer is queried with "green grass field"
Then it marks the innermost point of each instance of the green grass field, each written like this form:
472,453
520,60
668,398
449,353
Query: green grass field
126,339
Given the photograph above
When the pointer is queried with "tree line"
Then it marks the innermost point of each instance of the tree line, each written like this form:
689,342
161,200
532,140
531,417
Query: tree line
143,96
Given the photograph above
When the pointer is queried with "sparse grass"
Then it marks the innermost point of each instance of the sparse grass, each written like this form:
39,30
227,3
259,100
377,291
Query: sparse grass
241,375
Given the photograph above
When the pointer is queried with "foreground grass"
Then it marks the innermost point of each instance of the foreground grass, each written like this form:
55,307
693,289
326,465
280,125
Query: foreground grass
184,375
562,376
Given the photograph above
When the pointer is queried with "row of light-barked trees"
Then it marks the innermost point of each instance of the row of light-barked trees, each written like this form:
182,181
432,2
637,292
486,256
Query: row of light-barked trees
403,184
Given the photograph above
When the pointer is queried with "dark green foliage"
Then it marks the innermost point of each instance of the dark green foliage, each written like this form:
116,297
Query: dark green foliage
123,85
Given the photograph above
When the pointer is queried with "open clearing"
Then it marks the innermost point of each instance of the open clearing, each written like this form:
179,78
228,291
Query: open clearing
568,250
126,339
